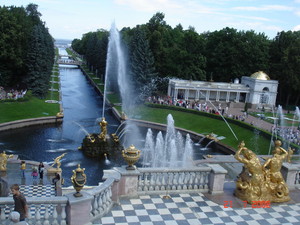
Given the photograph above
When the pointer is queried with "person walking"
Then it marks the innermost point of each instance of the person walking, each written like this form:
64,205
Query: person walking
41,170
23,168
34,174
20,202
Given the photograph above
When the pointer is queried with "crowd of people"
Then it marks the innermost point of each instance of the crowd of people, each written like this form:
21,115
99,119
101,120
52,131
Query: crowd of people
290,134
197,105
11,94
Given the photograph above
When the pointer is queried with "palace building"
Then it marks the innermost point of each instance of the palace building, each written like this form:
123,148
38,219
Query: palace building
257,90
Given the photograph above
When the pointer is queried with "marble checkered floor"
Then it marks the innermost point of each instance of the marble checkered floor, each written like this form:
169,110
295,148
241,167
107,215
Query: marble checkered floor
38,190
195,209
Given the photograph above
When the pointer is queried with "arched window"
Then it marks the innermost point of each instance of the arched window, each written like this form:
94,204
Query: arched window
266,89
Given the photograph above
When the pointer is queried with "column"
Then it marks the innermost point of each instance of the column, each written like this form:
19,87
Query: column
207,95
197,95
218,96
227,96
169,89
176,93
186,94
237,99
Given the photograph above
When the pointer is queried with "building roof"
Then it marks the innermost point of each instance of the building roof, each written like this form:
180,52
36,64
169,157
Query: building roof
260,75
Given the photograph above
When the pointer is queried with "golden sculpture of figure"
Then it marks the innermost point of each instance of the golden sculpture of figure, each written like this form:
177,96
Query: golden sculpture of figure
290,154
3,160
212,136
250,185
57,161
103,133
272,167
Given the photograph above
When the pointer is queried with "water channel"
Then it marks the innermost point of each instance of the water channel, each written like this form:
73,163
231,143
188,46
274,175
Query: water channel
82,108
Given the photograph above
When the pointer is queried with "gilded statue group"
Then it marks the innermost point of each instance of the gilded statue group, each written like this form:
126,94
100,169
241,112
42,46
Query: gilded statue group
261,182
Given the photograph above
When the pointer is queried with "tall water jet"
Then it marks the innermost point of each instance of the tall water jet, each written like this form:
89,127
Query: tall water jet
117,74
171,152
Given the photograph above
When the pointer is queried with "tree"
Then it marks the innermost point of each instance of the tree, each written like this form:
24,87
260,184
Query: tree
142,64
231,54
285,65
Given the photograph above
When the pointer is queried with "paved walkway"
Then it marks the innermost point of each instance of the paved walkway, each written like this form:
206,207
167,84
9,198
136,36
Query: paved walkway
198,208
251,119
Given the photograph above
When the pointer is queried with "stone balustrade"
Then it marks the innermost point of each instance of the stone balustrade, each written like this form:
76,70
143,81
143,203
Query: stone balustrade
173,180
41,210
102,199
291,175
208,178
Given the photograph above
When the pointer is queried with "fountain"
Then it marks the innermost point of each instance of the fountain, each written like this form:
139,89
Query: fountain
101,145
170,151
116,74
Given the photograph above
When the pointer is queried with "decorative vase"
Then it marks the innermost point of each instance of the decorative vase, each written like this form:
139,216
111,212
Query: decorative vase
78,179
131,156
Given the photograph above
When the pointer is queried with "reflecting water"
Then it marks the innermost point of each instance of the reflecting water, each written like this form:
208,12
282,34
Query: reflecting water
82,105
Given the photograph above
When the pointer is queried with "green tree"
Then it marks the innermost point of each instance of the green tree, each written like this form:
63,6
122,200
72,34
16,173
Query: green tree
285,65
142,64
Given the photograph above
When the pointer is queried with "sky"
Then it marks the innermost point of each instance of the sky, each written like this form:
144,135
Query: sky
68,19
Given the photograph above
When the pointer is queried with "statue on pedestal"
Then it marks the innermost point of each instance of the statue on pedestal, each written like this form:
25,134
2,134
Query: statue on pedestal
276,184
58,164
103,133
259,182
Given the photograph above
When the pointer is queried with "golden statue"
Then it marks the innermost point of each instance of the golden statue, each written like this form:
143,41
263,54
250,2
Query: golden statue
277,186
250,185
58,164
290,154
212,136
103,133
259,182
3,160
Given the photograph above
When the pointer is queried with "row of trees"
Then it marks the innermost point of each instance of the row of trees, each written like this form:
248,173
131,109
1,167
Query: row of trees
159,51
26,49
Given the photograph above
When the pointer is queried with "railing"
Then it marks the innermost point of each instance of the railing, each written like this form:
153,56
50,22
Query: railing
101,202
69,62
173,180
297,178
41,210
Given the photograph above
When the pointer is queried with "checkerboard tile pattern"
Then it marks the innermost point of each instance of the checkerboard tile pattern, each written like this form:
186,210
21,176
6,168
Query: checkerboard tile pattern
194,209
35,191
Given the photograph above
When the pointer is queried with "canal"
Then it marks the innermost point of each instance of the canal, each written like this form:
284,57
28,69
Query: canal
82,112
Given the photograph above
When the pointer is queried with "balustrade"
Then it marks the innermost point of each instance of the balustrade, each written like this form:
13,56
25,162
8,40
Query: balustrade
102,201
41,210
151,180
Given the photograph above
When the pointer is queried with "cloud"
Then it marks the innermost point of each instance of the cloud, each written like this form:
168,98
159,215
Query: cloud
296,28
149,6
265,8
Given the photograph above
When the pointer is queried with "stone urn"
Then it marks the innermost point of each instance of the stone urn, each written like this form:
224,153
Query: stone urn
78,179
131,156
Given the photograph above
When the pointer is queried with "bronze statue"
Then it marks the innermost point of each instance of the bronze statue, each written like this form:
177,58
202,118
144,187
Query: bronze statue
290,154
57,161
250,185
275,181
103,133
3,160
259,182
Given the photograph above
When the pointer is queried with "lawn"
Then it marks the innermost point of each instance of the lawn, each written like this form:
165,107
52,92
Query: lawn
205,125
33,108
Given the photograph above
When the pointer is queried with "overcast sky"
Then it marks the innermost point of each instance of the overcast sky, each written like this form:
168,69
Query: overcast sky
71,19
